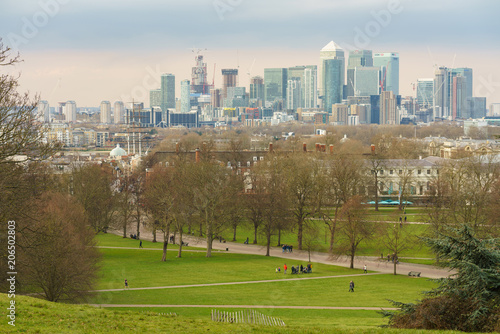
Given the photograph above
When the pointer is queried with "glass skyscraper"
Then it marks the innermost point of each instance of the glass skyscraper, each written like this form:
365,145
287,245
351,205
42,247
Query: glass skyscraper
332,71
357,58
389,65
275,81
330,51
425,93
366,81
167,92
185,96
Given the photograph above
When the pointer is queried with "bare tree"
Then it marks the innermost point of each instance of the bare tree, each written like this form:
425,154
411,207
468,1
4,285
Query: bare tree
397,239
57,255
353,227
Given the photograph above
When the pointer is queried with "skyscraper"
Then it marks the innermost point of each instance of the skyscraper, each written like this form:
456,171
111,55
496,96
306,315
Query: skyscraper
43,111
229,79
388,111
389,65
441,93
275,81
366,81
119,112
257,88
330,51
357,58
466,85
167,98
459,106
310,87
294,93
105,112
185,96
425,92
332,74
69,110
155,98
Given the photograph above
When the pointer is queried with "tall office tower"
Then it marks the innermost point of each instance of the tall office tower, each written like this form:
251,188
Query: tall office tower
297,73
357,58
215,98
330,51
43,111
310,87
229,79
167,92
199,77
441,93
332,74
185,96
105,112
155,98
366,81
119,112
236,97
425,92
459,106
388,111
468,75
69,110
294,94
257,88
275,80
389,65
477,107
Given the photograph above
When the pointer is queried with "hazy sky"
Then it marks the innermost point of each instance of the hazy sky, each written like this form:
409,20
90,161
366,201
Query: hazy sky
94,50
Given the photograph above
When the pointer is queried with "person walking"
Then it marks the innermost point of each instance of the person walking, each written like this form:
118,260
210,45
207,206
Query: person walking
364,269
140,244
351,286
126,284
284,269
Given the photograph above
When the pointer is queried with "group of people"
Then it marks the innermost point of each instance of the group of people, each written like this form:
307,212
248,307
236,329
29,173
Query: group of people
287,248
297,269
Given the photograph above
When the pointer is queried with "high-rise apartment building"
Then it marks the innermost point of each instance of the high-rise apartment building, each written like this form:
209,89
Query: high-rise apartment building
275,81
155,98
229,79
119,112
69,110
330,51
389,65
388,108
185,96
294,93
43,111
257,88
310,87
167,95
459,104
105,112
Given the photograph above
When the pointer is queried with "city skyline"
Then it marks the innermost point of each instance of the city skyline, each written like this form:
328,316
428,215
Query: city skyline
70,56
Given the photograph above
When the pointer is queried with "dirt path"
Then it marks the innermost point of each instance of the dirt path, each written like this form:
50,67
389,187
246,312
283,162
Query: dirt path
252,306
236,283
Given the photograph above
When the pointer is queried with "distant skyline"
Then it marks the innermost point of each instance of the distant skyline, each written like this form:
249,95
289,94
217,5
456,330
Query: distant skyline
109,50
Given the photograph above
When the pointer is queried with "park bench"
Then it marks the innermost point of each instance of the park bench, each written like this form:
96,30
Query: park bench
414,273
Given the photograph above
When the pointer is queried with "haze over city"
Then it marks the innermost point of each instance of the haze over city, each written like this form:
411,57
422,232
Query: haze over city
102,50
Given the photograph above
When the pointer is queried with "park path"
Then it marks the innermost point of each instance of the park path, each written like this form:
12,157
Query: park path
297,257
236,283
254,306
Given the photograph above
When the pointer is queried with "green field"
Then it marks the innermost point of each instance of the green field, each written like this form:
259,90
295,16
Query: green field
143,268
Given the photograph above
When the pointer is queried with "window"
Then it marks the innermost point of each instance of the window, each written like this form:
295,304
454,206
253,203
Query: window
400,171
391,172
419,172
428,172
381,172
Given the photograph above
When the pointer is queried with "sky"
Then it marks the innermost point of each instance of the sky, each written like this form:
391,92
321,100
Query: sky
94,50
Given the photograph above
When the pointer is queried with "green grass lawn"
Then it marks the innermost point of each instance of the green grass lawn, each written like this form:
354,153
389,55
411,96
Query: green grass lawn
112,240
38,316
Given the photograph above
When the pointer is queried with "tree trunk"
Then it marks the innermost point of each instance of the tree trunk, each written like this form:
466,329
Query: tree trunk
209,236
268,246
300,225
165,243
154,235
279,237
201,229
234,233
353,251
180,243
332,238
255,226
138,224
376,190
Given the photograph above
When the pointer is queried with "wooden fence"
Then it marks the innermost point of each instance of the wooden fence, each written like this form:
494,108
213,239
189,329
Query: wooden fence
246,317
